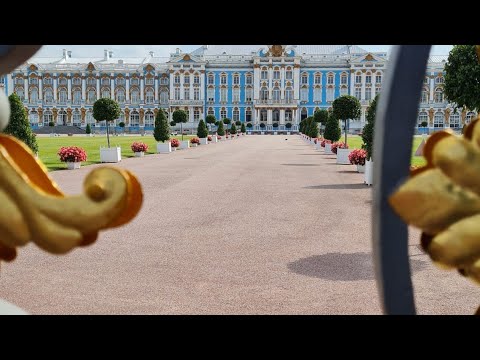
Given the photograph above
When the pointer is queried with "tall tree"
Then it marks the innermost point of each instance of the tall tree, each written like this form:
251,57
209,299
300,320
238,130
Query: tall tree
369,128
88,129
311,127
332,129
210,120
346,107
162,129
321,116
180,117
242,129
462,74
106,109
19,126
233,129
202,131
220,130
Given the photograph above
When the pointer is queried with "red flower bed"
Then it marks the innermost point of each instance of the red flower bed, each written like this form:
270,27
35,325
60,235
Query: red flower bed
195,140
175,143
219,137
139,147
72,154
357,157
324,141
338,145
209,138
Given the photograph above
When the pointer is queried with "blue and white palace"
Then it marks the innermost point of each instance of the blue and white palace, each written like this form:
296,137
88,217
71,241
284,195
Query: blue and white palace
274,85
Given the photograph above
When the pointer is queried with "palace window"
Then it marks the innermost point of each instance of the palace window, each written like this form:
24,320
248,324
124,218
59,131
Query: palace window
304,94
106,93
264,94
164,96
91,81
276,116
186,93
62,81
77,118
368,79
344,79
248,79
248,94
186,79
276,74
33,118
358,93
33,81
236,79
289,95
289,74
211,79
196,93
343,90
263,115
196,79
164,80
134,118
20,93
62,96
455,120
368,94
149,80
76,81
248,115
304,79
288,115
223,79
331,79
120,96
330,94
378,79
176,79
469,117
423,116
210,111
33,95
196,114
176,93
439,80
317,94
358,79
424,96
223,114
211,94
77,97
120,81
276,94
47,117
47,81
377,90
105,81
264,74
223,94
439,120
91,96
438,96
318,79
135,96
62,117
303,114
134,81
149,96
236,94
149,119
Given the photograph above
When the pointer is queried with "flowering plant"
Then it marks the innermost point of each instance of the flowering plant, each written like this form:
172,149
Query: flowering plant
174,143
72,154
139,147
195,140
338,145
209,137
226,136
219,137
324,141
357,157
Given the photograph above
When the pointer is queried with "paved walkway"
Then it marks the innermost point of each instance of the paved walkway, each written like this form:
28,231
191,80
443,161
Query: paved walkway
258,225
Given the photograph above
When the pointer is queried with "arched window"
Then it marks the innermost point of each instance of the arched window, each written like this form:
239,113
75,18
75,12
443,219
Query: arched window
438,95
318,79
343,90
62,81
454,120
303,114
304,94
289,73
248,94
196,114
33,117
378,78
76,118
62,117
236,114
358,78
135,96
422,116
176,79
149,80
276,94
196,93
89,118
120,81
47,80
196,79
47,117
358,93
164,96
77,96
91,81
330,93
263,115
248,115
304,78
211,79
331,79
439,80
368,78
186,79
368,93
134,118
276,115
210,111
91,96
211,93
288,115
236,94
289,95
76,81
62,96
223,94
248,79
223,79
263,94
33,95
469,117
236,79
424,96
344,79
317,94
33,80
264,74
439,120
48,96
223,114
149,118
276,73
105,81
120,95
149,96
106,93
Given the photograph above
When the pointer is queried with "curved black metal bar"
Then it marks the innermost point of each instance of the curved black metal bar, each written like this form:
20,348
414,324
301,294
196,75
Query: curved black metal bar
12,56
394,129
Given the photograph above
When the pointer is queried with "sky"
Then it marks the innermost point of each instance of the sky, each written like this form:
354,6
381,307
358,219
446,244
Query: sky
165,50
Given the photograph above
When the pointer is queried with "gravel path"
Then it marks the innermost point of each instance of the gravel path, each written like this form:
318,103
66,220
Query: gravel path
257,225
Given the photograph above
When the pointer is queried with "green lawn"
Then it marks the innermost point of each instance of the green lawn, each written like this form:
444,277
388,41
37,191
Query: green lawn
49,146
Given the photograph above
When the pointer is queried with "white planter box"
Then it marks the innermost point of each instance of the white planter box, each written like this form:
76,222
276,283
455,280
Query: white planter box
328,149
275,133
361,168
139,154
184,144
88,135
73,165
342,156
262,133
193,145
288,132
214,139
164,148
203,141
369,172
174,149
317,145
110,155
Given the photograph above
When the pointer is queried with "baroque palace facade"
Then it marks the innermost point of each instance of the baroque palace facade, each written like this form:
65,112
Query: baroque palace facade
274,85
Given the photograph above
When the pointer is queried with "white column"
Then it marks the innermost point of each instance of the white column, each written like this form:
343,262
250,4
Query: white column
282,116
282,83
40,89
142,89
352,84
432,89
69,87
257,116
112,86
127,87
25,85
55,79
296,83
156,89
269,117
190,113
170,78
363,86
270,82
84,87
256,83
181,85
98,87
202,86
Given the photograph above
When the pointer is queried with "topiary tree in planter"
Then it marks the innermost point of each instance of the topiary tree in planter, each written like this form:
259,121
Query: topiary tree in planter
233,129
88,129
122,125
249,125
19,126
51,124
238,123
311,127
180,117
288,125
321,116
332,129
369,128
220,130
227,121
242,129
172,123
161,132
202,131
108,110
210,120
346,107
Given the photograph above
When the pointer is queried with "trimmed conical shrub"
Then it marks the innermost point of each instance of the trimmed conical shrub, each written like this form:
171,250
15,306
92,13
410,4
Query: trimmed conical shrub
19,126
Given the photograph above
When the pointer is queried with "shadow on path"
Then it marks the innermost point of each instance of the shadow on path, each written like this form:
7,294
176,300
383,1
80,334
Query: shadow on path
337,186
300,164
342,267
